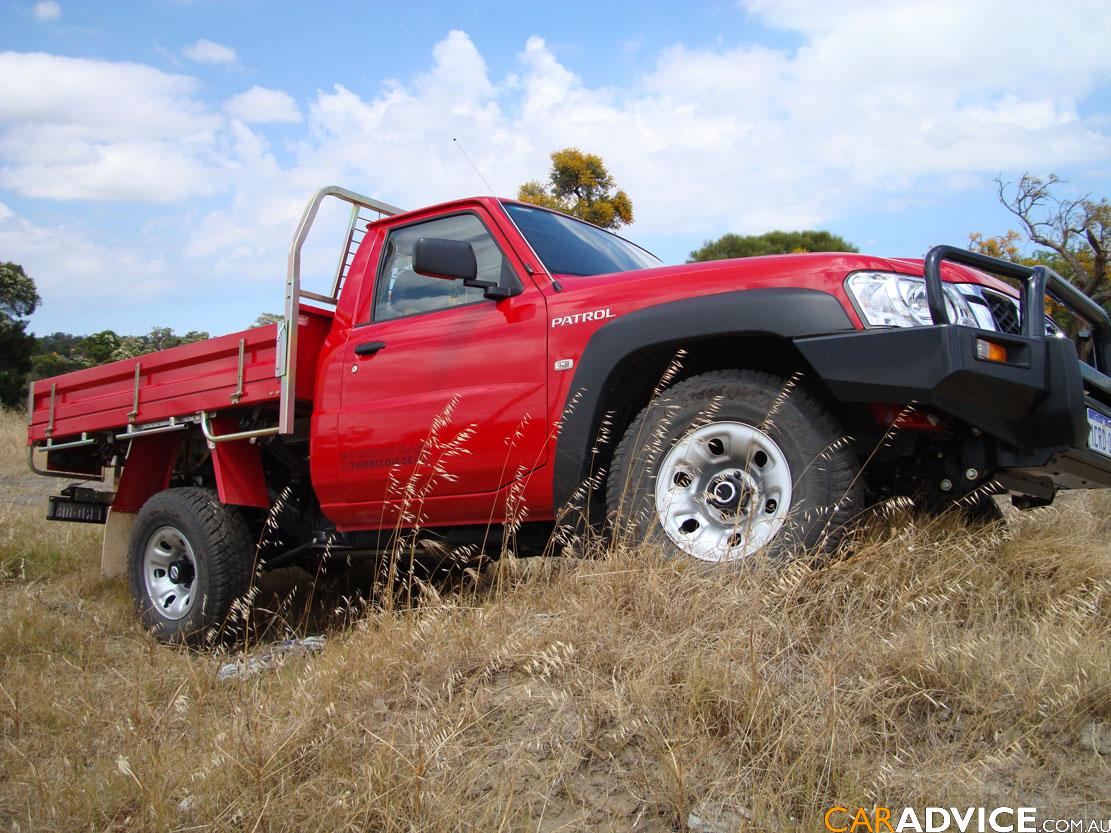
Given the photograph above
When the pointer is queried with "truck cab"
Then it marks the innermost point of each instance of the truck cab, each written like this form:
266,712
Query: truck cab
463,350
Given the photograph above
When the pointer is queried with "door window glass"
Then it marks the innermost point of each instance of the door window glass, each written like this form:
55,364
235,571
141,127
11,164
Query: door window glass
402,292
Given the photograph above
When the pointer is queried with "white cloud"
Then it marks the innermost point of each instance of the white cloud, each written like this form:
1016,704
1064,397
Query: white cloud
879,104
69,268
205,51
260,105
709,139
72,128
878,97
47,10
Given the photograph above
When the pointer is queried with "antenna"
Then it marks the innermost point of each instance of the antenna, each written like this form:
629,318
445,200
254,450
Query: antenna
489,187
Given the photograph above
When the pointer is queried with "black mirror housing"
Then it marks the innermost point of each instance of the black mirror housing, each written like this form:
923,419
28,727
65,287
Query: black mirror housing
447,259
455,260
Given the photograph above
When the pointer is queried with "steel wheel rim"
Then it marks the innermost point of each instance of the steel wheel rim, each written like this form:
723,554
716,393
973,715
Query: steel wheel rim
723,491
170,572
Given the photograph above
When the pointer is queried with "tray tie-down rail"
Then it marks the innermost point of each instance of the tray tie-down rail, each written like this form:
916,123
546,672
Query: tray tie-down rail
286,353
202,418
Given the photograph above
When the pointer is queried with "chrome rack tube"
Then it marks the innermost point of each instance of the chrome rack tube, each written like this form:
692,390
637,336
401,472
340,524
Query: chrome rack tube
72,475
286,361
206,429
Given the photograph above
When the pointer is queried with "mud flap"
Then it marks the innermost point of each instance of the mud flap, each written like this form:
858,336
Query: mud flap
240,479
117,538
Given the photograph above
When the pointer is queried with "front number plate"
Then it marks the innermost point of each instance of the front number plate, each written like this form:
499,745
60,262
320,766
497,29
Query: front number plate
1099,432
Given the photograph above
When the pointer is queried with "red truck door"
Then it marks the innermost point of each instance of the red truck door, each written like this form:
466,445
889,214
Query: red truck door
444,390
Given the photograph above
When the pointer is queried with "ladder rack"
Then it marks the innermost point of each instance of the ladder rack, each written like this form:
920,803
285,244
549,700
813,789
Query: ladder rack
362,208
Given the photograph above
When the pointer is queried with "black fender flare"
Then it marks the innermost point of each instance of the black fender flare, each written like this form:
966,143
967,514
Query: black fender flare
778,311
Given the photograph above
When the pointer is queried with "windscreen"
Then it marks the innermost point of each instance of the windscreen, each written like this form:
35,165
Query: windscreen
571,247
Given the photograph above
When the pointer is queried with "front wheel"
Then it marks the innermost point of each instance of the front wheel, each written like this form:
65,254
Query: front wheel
729,463
190,558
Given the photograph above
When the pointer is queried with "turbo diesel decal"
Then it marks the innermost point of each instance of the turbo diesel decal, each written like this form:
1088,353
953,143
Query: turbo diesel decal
400,454
580,317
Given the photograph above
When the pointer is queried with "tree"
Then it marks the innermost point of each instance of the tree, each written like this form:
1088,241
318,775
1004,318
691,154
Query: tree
64,344
159,338
18,296
59,353
163,338
772,243
55,354
1074,233
45,365
99,347
130,347
1009,247
18,299
579,185
268,318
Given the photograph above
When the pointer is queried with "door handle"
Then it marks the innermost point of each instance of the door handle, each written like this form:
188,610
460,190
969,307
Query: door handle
369,348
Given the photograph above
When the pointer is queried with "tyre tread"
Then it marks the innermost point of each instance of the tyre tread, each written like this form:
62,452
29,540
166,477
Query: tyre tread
228,545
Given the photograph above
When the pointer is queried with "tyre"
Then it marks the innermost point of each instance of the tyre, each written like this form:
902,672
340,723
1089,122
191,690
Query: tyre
190,558
729,463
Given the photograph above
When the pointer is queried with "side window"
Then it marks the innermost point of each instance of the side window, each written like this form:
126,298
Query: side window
401,291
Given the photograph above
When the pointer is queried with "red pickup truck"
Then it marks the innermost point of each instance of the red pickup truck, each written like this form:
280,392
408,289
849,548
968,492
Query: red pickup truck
486,365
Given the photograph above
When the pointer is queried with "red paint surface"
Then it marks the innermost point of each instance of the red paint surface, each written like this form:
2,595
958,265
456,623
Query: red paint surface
240,480
177,382
150,462
484,371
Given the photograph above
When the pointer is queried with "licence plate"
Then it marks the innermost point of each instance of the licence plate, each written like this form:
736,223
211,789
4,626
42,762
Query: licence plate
1099,432
62,508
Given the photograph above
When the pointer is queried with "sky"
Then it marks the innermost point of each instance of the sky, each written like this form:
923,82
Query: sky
155,156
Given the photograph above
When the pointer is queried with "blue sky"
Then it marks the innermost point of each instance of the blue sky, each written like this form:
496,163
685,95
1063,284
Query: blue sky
154,157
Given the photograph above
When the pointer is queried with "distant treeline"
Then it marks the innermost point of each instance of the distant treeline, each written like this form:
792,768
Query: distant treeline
62,352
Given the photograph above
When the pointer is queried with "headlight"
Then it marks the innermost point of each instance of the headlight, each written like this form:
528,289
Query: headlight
886,299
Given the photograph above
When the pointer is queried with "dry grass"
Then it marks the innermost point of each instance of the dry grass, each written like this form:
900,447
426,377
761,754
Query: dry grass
13,441
30,548
935,665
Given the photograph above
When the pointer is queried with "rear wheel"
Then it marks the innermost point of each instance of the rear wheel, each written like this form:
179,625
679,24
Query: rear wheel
729,463
190,558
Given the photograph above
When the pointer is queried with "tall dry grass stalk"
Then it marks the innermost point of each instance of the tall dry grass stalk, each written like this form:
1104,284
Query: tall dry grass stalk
931,664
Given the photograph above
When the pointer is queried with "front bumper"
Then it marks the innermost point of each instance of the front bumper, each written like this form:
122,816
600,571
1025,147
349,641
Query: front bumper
1034,406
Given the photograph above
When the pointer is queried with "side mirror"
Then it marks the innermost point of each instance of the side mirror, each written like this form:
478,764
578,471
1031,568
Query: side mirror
447,259
455,260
